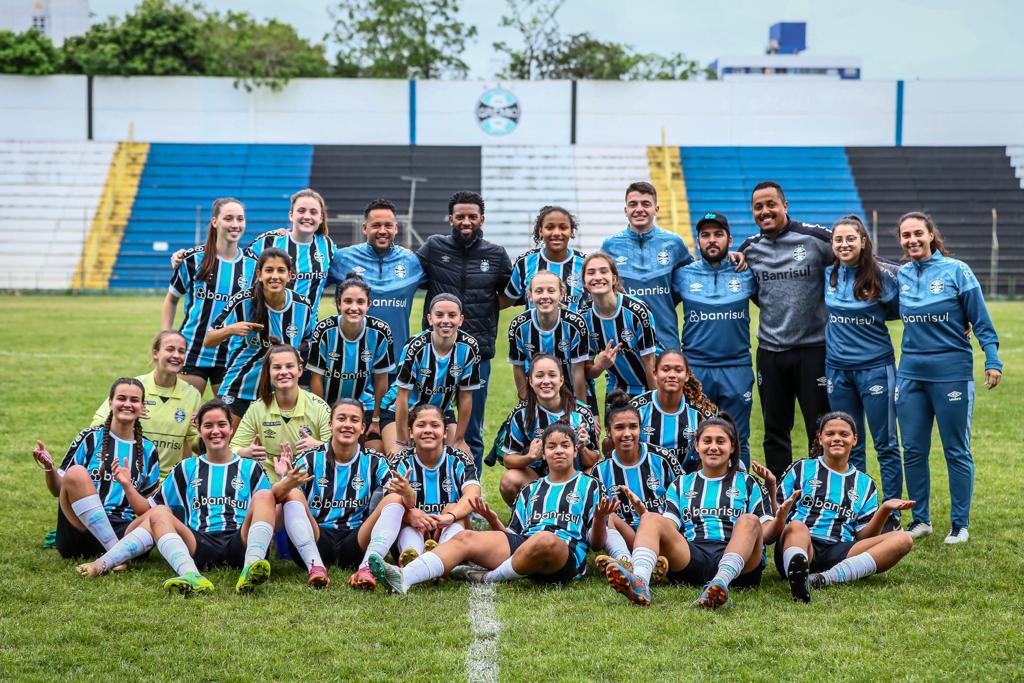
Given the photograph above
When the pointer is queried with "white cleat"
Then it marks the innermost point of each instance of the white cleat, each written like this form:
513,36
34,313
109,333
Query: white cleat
919,530
957,536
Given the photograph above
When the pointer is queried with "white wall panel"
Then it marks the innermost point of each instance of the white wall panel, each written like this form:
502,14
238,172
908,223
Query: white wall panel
963,112
43,107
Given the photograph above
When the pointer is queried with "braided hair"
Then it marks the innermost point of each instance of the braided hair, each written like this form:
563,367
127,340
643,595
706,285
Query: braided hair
107,452
693,392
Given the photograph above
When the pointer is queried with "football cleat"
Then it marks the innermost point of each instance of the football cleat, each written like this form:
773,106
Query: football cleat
624,581
189,583
715,595
799,585
389,574
253,575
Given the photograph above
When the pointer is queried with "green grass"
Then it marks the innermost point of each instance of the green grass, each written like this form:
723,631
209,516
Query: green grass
942,613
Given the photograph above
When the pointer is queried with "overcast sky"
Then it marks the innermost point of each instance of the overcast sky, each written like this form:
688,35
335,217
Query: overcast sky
928,39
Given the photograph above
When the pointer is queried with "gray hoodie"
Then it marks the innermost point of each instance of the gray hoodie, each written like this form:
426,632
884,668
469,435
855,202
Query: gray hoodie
790,272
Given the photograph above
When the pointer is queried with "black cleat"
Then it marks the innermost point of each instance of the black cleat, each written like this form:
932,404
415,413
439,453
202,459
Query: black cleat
799,583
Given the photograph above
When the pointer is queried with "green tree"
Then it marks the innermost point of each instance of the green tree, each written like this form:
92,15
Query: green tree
30,53
534,21
257,54
400,39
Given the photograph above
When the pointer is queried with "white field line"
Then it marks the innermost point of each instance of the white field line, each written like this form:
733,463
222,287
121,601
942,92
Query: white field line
482,656
46,354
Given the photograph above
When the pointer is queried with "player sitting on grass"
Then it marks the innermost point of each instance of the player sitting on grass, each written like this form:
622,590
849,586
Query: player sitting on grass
713,530
443,481
833,528
217,509
105,477
555,520
331,518
643,469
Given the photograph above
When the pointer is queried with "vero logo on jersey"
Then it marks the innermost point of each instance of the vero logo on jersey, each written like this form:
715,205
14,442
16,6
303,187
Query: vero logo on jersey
734,285
936,286
954,396
876,390
800,253
664,258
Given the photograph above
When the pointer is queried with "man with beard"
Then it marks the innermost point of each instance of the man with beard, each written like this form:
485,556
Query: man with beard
463,263
716,324
788,259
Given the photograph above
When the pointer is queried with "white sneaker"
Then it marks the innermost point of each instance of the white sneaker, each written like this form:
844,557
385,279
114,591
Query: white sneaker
957,536
919,530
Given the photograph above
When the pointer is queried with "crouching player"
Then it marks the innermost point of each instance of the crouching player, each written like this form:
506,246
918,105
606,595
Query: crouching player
555,520
329,517
214,509
714,528
833,529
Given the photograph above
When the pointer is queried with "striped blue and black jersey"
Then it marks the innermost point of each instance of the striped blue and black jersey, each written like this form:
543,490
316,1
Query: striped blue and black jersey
348,365
833,505
338,495
529,264
648,479
292,324
565,509
312,261
210,497
706,509
205,299
521,429
435,379
673,431
443,484
87,450
568,340
633,328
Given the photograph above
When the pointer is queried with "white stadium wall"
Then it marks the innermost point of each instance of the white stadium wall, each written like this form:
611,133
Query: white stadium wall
356,111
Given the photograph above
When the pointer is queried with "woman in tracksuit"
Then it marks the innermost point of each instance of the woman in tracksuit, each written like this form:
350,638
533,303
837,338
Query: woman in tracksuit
939,299
859,361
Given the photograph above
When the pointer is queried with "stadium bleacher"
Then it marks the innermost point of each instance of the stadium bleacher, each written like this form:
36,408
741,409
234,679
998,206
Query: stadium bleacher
602,175
49,194
179,183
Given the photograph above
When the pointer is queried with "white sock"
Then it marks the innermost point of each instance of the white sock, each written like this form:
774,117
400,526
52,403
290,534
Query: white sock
729,567
615,544
300,533
504,572
644,560
851,569
410,537
424,568
174,550
90,513
385,531
134,543
256,546
788,554
450,531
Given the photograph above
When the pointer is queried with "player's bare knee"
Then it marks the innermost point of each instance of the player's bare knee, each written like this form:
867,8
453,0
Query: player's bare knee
902,542
75,475
546,543
747,522
264,497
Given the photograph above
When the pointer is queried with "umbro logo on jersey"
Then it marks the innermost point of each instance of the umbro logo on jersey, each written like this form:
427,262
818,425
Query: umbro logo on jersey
627,336
876,390
814,483
400,271
664,258
359,270
734,285
653,483
333,355
416,485
696,286
691,494
822,382
196,483
426,372
179,415
357,482
485,265
800,253
620,259
832,290
648,431
529,347
936,286
269,434
237,483
322,482
904,288
573,498
445,258
291,330
954,396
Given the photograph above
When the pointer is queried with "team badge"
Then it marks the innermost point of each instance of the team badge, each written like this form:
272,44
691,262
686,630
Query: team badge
936,286
954,396
664,258
904,288
318,257
627,336
400,271
485,265
179,415
832,290
573,280
653,483
455,370
357,482
237,483
748,396
573,498
447,485
734,285
358,270
876,390
498,111
828,385
853,495
696,286
733,492
563,345
366,356
800,253
241,281
291,330
688,433
322,482
693,317
228,398
621,260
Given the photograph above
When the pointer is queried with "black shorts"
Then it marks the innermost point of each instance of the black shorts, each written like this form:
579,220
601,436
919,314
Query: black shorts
570,571
220,548
74,543
388,417
214,376
337,546
238,406
826,554
704,559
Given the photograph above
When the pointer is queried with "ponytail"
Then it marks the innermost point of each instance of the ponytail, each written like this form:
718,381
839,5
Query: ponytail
208,265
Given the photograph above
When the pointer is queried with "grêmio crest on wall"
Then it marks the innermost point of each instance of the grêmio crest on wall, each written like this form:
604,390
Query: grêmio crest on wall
497,111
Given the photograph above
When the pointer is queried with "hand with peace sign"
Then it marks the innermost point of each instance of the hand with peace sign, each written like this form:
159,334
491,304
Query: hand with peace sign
606,358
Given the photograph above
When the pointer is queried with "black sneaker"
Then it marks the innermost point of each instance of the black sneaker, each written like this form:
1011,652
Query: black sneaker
893,522
799,585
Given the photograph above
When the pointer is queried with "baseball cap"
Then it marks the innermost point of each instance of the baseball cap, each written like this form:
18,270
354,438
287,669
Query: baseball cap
713,217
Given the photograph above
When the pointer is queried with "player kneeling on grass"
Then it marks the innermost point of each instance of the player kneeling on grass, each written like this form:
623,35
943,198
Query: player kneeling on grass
643,469
833,528
215,509
555,520
105,476
331,518
443,481
713,530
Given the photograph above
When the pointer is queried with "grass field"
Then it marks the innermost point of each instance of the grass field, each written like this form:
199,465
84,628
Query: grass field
944,613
